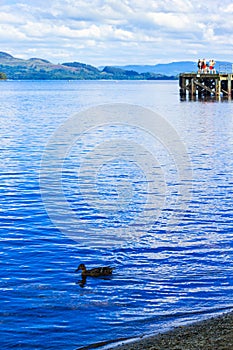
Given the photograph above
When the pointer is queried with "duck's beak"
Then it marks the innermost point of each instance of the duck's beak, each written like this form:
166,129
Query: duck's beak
77,269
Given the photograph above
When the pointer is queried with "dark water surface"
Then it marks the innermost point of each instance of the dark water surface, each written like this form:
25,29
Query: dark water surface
165,276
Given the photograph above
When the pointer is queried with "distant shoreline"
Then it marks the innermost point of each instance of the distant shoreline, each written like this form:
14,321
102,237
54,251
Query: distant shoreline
143,80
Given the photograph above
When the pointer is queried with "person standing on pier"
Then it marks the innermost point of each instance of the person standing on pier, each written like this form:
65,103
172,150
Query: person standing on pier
211,66
199,64
204,66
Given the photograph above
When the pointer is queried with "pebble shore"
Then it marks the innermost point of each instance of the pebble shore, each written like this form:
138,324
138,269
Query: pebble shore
212,334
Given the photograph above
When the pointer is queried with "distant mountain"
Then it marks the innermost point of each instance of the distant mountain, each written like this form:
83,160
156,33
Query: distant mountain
174,68
124,74
38,68
4,55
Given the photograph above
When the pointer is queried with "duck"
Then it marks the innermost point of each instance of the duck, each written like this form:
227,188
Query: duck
96,272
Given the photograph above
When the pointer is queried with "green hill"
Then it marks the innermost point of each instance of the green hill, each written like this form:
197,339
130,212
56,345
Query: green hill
37,68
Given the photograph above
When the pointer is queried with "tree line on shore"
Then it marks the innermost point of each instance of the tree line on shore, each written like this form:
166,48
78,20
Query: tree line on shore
40,69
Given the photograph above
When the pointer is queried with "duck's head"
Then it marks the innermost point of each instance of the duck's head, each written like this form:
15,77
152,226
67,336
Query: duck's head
81,267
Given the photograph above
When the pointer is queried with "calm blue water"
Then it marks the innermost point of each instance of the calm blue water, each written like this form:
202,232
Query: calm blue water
165,275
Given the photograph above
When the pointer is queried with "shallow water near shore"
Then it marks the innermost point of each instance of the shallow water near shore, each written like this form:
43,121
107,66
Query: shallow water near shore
165,276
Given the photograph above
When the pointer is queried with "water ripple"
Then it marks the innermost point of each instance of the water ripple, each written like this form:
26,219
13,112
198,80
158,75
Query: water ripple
162,278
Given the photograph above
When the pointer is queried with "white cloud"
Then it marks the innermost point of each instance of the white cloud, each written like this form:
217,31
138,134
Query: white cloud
112,31
169,20
9,33
228,9
8,18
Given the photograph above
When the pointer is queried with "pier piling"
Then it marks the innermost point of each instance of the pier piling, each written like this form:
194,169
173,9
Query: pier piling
206,84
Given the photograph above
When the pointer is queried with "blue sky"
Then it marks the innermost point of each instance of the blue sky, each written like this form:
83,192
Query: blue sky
121,32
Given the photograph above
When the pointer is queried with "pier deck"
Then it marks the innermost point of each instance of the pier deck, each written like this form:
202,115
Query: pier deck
206,84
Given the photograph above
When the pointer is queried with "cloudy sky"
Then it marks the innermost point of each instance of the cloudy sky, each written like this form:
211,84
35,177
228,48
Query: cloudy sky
122,32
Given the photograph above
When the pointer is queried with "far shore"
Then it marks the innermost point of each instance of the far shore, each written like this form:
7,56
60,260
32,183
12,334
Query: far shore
215,333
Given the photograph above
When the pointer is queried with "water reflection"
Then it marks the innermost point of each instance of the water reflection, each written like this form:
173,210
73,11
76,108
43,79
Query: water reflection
85,279
213,98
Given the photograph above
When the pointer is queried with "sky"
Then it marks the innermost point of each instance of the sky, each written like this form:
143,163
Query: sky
117,32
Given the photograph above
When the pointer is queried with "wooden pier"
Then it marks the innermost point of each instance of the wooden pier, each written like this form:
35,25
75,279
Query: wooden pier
206,85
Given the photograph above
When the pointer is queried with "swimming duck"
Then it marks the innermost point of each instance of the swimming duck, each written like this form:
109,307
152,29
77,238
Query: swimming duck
96,272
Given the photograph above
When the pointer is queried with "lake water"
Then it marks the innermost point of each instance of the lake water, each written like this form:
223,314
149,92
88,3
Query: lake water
154,199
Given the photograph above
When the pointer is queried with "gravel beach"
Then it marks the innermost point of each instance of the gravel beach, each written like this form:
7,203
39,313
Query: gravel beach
212,334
